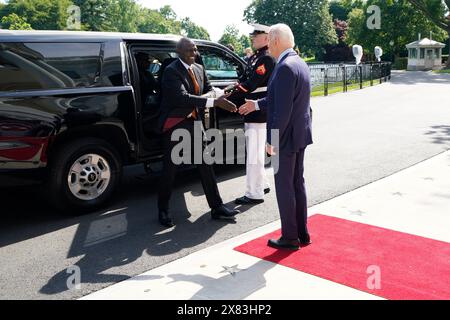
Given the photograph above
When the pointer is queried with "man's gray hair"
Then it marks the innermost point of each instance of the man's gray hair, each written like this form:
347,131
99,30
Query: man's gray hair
282,32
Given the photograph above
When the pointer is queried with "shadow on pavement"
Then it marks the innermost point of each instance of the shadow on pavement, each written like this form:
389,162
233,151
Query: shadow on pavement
440,134
237,286
25,214
418,77
113,239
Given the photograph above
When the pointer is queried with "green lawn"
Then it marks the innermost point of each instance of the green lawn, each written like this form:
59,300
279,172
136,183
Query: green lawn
310,59
443,71
338,87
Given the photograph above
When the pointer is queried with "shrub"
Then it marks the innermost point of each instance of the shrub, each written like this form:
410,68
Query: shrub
401,63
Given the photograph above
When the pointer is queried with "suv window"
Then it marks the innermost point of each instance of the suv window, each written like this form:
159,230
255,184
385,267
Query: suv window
151,65
218,66
28,66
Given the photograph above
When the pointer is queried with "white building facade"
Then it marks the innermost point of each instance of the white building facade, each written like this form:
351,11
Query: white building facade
425,54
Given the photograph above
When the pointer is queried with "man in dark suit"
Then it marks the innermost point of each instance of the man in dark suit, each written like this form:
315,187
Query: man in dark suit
186,92
288,111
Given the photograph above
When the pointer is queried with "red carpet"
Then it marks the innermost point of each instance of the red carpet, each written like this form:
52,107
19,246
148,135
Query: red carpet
412,267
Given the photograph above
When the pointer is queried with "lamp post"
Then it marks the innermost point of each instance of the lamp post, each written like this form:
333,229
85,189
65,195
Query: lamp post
378,53
358,54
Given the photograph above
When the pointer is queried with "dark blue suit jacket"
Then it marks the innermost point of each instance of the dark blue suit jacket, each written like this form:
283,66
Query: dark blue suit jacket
288,104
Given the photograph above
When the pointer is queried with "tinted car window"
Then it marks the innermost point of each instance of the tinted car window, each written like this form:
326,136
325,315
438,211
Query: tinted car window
218,66
28,66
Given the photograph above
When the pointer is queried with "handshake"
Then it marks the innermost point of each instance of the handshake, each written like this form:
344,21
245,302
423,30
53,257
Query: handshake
225,104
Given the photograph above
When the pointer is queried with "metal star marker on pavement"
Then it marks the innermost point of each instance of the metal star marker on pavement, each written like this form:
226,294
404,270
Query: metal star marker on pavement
357,213
231,270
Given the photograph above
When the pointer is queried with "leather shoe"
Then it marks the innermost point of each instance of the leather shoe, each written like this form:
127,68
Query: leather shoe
247,200
266,190
305,241
223,212
283,243
165,219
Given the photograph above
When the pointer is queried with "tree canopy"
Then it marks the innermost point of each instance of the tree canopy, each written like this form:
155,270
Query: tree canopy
310,20
400,24
14,22
193,31
39,14
232,38
97,15
436,11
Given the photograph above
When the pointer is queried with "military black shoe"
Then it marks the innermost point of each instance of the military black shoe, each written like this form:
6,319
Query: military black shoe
283,243
246,201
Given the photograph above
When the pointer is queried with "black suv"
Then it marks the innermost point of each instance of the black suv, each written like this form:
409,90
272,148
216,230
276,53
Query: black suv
75,107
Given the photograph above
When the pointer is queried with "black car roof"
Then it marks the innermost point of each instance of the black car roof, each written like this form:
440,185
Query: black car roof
93,36
49,35
90,36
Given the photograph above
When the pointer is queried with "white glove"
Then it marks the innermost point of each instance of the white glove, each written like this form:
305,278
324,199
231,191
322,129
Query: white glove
219,92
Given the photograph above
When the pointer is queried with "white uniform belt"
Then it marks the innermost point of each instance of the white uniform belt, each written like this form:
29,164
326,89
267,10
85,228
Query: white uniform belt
258,90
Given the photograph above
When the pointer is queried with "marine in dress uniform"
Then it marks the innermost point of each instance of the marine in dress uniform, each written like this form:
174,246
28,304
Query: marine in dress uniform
253,85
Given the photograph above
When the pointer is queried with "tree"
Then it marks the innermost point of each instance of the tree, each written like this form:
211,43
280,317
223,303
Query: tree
168,13
437,12
339,10
245,42
231,37
310,20
152,21
340,51
14,22
193,31
39,14
125,15
400,24
95,14
109,15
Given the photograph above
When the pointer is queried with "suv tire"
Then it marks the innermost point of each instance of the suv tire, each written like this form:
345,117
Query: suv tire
83,175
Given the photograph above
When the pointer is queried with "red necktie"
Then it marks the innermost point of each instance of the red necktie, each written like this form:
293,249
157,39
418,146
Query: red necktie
194,80
196,91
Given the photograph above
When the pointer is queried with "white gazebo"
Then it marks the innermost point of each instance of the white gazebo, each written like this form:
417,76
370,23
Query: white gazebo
425,54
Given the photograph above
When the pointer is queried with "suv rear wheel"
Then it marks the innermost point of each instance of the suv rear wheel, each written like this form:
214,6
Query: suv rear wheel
84,175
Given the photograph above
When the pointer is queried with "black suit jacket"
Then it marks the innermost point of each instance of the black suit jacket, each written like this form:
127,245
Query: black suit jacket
178,93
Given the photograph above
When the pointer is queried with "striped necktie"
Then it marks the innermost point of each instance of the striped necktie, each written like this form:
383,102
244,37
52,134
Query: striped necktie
196,90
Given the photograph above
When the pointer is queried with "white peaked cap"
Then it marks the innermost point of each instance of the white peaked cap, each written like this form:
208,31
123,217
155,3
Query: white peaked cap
260,28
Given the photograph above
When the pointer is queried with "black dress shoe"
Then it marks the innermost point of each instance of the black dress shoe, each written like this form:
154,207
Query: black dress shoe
266,190
223,212
305,241
247,200
165,219
284,244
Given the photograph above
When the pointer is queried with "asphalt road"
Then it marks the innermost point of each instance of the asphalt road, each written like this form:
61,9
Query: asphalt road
360,137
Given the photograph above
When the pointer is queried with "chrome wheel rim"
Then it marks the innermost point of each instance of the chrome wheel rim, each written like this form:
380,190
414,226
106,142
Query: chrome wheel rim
89,177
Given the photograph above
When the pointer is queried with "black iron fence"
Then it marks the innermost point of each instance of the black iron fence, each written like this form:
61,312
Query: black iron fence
329,78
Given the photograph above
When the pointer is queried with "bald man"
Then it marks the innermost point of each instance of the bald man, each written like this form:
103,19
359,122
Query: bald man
288,111
186,90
